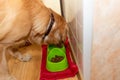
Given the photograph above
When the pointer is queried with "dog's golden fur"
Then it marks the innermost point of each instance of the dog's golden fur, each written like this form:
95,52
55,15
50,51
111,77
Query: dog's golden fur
27,20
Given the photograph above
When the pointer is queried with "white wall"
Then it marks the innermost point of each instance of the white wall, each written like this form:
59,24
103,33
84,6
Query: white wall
79,15
53,4
106,40
87,37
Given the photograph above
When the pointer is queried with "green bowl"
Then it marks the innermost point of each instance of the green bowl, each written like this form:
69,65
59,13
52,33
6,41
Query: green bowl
56,66
50,47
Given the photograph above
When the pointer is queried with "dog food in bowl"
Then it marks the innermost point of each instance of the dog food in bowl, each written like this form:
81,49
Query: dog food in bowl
57,59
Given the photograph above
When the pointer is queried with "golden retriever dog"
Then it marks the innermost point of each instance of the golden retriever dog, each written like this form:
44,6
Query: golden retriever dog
23,22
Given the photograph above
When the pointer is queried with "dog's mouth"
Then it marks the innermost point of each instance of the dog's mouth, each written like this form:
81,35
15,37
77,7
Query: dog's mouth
60,45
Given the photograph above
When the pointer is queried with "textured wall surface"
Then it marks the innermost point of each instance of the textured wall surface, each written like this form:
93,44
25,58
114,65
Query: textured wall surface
106,40
73,13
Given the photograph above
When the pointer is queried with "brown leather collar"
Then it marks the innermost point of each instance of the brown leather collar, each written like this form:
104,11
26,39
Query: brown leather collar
50,25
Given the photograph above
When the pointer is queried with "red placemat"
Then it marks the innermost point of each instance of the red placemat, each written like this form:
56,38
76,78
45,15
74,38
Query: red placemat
69,72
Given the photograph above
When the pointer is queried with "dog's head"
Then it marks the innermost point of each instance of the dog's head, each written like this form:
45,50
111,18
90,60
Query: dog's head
57,30
54,33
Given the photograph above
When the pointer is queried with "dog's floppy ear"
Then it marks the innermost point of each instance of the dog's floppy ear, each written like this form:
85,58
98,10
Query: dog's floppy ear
65,34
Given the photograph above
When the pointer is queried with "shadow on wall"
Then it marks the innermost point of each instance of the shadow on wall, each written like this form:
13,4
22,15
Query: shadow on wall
76,44
73,15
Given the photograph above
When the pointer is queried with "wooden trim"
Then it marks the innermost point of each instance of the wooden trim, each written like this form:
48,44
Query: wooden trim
79,74
61,7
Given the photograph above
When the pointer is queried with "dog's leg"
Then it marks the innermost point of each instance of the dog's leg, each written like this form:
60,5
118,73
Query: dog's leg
4,72
3,65
17,54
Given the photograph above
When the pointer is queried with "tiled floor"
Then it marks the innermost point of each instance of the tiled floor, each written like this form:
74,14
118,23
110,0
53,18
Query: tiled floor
29,70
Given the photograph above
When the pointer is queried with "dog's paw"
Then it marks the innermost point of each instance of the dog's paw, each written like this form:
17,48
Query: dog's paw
11,78
7,77
25,58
